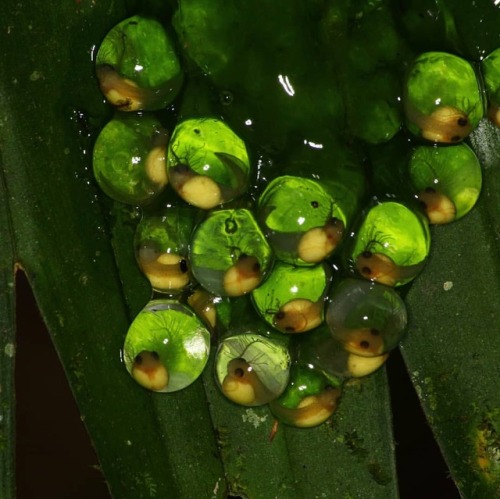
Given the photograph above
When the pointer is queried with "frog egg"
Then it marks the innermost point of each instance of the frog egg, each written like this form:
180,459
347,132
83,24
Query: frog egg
447,181
161,248
229,254
367,318
129,159
327,354
391,244
128,75
208,163
442,99
490,69
292,298
250,369
309,400
166,347
300,220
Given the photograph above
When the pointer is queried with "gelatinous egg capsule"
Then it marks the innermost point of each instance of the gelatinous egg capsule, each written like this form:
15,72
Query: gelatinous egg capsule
162,246
300,220
251,369
442,98
447,181
324,352
208,163
166,347
391,244
367,318
128,76
292,298
310,398
229,253
490,68
129,159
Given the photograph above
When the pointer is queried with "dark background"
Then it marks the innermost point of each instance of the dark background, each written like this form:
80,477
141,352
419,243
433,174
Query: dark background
56,460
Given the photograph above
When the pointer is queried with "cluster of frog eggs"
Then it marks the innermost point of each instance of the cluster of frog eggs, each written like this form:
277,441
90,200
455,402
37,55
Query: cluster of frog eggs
204,258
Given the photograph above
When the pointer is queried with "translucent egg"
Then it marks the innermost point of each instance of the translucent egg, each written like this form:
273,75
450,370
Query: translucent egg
250,369
208,163
442,98
162,247
292,298
127,66
129,159
367,318
300,219
229,254
166,347
309,399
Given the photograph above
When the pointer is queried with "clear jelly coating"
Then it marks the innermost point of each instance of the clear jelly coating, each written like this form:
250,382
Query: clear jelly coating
367,318
391,244
229,253
442,98
166,347
309,399
208,164
301,220
292,298
251,370
162,248
447,181
129,159
137,66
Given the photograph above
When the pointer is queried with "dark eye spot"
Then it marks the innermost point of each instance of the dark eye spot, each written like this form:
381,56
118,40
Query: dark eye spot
138,359
366,270
462,121
367,254
196,131
455,138
364,344
238,372
183,266
155,355
256,267
279,316
374,331
314,204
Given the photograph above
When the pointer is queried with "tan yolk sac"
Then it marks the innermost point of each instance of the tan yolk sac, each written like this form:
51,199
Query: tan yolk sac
197,190
201,302
366,342
156,167
494,114
243,386
319,242
378,267
446,124
438,207
168,272
149,371
244,276
298,316
382,269
121,92
312,409
359,366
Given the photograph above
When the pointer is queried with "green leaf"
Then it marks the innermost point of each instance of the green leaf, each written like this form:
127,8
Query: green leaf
76,249
452,348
